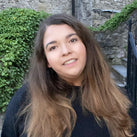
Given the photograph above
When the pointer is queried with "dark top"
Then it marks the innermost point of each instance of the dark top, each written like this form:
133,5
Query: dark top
86,125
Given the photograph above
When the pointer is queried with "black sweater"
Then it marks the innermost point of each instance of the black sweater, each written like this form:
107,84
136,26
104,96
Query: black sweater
86,125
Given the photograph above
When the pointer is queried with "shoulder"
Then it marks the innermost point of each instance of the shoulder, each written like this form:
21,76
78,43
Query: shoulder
18,99
10,126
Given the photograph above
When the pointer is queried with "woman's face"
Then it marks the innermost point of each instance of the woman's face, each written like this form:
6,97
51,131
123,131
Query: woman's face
65,53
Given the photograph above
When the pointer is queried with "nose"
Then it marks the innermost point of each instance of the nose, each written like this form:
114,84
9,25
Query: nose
65,50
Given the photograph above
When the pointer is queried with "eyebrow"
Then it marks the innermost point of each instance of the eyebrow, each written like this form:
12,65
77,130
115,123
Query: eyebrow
53,42
68,36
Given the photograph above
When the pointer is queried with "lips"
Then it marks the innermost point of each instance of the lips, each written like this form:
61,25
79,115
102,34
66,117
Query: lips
70,61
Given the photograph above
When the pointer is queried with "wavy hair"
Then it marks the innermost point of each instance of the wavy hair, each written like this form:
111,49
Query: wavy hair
50,112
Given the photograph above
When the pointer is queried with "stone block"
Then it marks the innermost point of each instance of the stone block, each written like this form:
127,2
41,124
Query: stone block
42,1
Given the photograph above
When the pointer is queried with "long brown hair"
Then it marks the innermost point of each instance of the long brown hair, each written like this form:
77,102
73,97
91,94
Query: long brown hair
50,113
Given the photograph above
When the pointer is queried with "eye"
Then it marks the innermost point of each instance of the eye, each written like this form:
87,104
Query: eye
52,48
73,40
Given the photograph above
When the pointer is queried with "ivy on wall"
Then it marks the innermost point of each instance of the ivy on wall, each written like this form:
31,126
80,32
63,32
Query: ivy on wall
118,18
17,32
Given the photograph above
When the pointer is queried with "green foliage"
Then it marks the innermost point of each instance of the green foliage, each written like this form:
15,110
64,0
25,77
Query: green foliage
17,32
118,18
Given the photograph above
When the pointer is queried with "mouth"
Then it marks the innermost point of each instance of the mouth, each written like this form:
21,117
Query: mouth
70,61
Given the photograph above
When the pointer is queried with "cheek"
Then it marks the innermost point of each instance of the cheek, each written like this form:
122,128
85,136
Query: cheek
82,50
84,54
53,58
49,62
52,61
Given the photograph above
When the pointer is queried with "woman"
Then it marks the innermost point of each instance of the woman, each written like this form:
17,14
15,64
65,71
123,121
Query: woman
69,92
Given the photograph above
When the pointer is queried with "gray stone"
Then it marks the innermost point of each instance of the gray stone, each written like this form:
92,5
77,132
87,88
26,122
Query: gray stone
42,1
121,69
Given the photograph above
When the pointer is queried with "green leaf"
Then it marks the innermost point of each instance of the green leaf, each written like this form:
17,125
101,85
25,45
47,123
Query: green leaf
17,31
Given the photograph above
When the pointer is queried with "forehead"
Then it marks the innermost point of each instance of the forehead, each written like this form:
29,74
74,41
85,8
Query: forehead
56,31
60,27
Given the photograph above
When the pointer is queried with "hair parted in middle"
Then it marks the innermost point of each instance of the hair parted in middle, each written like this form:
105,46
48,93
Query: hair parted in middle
50,112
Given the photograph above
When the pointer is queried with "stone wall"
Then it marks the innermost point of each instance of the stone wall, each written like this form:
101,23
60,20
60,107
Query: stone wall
50,6
96,12
114,43
90,12
102,10
84,11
